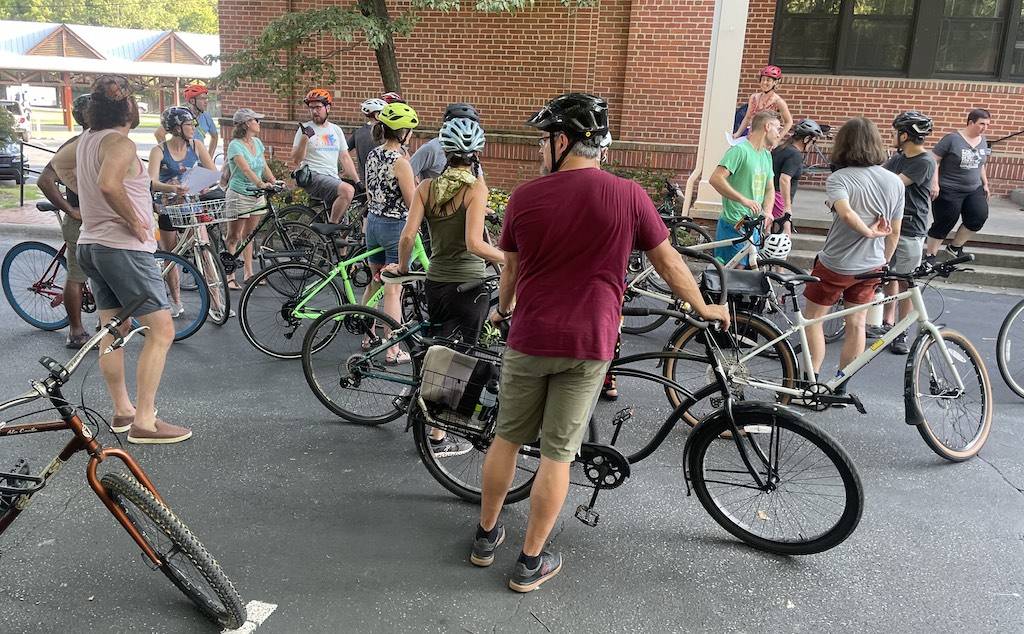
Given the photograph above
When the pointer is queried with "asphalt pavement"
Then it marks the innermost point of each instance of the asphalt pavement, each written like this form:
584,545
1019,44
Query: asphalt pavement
343,530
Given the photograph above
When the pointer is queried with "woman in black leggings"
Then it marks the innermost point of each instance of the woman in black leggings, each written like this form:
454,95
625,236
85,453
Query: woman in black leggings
960,187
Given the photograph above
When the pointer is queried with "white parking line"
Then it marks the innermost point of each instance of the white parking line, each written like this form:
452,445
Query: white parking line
256,613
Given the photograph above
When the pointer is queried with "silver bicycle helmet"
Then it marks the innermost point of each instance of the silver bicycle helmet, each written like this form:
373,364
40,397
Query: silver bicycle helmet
776,246
461,136
372,106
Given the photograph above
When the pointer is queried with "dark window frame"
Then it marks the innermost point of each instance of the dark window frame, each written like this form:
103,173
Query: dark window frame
922,49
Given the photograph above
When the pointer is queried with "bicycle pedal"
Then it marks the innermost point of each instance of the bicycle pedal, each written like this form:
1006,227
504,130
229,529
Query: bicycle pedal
857,404
587,515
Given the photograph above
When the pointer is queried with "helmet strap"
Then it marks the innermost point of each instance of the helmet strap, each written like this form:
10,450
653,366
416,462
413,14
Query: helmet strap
556,161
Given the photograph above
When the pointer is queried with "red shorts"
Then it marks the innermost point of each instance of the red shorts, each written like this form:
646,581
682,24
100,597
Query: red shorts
835,285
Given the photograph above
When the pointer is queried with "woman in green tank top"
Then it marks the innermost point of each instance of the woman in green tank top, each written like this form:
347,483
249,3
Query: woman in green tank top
454,205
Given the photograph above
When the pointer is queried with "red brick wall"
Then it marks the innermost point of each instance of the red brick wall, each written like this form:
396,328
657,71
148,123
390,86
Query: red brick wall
834,99
647,57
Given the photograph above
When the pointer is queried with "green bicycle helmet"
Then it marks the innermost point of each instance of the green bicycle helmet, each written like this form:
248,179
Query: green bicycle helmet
398,116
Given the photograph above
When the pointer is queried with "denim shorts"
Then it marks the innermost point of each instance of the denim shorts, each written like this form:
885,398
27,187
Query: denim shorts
118,276
383,232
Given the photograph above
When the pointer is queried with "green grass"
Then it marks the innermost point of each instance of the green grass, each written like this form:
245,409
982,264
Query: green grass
9,195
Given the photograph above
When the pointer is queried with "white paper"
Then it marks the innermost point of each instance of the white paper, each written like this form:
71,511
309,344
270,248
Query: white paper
199,178
732,141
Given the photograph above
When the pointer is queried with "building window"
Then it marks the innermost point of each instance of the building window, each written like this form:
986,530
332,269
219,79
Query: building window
970,39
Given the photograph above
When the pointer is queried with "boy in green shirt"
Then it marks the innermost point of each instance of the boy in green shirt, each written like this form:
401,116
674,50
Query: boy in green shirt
744,179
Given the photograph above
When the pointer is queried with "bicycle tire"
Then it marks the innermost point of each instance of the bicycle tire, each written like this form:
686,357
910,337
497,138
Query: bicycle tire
297,212
219,600
264,309
753,516
462,474
216,284
301,243
195,311
975,433
746,332
335,365
23,267
1005,350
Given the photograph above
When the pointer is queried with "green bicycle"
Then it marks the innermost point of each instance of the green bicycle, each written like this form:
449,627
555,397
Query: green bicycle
279,302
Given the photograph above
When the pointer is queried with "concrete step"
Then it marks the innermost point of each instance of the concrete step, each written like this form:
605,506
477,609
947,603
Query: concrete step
1005,277
990,257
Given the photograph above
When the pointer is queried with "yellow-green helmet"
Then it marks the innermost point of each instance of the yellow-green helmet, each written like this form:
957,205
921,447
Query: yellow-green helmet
398,116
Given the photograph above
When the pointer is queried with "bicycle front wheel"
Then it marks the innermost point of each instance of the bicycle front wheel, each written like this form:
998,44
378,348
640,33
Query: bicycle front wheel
266,310
955,422
1009,342
34,278
195,304
352,368
810,499
185,561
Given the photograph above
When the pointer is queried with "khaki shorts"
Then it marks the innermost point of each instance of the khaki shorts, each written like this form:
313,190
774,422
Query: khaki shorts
240,205
71,228
550,398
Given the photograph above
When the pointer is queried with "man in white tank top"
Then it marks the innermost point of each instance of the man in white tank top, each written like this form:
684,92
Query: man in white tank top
115,250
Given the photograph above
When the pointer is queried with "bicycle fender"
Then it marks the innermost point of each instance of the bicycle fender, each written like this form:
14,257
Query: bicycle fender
914,415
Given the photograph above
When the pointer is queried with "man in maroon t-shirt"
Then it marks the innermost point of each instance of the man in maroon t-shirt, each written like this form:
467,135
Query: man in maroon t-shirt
567,237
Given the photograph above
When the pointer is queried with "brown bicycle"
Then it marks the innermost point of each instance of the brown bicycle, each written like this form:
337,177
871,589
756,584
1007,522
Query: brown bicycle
130,497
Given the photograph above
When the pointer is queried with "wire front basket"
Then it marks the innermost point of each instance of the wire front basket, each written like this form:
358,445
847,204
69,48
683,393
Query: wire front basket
195,214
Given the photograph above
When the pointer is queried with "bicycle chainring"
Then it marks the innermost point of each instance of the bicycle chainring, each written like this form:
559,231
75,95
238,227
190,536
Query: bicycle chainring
603,465
811,394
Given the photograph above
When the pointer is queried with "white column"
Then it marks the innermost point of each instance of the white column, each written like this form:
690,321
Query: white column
723,83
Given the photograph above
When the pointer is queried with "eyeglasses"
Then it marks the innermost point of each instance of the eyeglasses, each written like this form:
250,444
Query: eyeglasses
542,141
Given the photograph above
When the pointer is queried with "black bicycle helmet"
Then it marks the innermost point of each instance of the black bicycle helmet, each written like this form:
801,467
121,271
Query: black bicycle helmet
78,108
461,111
172,118
806,128
916,125
581,117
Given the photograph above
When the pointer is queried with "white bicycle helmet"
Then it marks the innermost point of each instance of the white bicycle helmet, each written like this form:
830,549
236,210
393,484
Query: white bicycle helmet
776,246
372,106
461,136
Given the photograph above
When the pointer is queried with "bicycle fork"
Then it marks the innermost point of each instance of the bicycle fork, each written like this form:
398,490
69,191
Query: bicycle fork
914,415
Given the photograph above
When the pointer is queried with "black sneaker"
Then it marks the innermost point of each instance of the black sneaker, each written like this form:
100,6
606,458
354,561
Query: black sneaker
877,332
524,579
448,447
954,251
929,261
483,548
899,344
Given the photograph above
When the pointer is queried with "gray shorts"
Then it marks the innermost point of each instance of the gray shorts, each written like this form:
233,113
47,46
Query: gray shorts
907,256
118,276
70,229
324,187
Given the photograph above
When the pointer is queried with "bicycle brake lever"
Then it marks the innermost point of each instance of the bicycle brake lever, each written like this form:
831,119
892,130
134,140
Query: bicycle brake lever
120,342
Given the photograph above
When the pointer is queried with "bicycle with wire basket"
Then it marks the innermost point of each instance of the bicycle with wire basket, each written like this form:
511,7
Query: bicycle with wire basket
947,391
760,470
166,543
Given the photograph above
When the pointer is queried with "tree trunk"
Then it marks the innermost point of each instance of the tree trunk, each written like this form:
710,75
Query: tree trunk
387,63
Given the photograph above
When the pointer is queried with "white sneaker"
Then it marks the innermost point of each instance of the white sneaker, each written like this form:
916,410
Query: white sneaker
177,310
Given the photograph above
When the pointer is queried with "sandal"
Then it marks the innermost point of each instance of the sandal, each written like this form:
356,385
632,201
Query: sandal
398,359
233,285
610,391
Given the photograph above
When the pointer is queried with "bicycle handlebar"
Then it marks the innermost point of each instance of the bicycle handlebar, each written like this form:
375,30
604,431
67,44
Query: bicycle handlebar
684,313
945,269
276,188
475,284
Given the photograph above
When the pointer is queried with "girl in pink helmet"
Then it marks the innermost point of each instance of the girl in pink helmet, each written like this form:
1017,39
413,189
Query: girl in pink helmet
767,99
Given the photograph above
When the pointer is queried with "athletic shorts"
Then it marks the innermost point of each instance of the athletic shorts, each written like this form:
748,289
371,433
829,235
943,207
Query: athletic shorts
323,187
835,285
550,398
118,276
70,229
907,256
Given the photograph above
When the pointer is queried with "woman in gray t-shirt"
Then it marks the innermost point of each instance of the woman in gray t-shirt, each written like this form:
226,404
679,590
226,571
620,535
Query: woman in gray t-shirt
960,186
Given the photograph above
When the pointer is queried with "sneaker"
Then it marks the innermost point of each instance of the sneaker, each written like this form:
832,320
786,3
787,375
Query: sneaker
448,447
877,332
483,548
929,261
954,251
524,579
164,434
899,345
177,309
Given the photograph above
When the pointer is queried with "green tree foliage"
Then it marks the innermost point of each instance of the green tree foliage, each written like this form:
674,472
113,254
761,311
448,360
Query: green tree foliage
276,56
7,131
198,16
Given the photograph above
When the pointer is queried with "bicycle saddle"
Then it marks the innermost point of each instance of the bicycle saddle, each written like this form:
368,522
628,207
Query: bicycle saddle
327,228
45,206
790,279
401,278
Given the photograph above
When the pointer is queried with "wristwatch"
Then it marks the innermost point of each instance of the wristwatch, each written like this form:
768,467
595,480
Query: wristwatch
501,314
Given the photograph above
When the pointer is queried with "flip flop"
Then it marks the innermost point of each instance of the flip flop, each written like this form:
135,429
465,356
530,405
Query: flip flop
398,359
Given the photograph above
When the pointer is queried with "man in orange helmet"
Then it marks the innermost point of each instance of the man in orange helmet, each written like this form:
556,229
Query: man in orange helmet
320,145
196,99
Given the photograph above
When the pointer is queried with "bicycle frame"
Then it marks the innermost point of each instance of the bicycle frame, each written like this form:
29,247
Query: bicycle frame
918,314
341,269
747,251
82,441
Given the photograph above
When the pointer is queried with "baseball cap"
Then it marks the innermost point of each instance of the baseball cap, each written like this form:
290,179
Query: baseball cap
245,114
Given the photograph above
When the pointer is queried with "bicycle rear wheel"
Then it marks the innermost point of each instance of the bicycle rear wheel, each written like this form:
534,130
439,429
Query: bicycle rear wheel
346,364
34,278
185,561
266,308
195,303
813,498
1010,350
955,424
296,242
